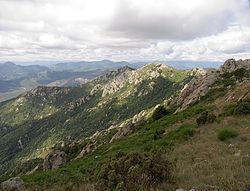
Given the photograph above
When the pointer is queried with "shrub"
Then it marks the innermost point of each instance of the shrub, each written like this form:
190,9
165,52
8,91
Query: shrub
159,112
184,132
205,117
135,171
242,108
229,110
226,134
158,134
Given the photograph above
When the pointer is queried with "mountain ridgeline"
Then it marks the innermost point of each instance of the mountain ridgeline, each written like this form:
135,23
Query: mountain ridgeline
132,129
16,79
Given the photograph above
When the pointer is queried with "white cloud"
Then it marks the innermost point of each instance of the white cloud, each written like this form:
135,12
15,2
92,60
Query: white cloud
124,29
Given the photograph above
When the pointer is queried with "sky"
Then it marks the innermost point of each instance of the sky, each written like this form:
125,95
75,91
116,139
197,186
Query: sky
198,30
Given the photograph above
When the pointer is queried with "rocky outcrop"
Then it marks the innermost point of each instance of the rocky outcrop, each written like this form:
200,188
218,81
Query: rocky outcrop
126,128
123,131
232,65
15,183
90,147
115,84
54,160
196,88
199,86
112,75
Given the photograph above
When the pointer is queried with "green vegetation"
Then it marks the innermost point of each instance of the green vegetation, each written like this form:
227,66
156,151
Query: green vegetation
131,172
159,112
227,133
240,108
232,77
205,117
184,132
49,115
142,140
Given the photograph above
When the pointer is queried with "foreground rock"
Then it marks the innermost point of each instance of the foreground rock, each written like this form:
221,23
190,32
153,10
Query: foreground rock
54,160
15,183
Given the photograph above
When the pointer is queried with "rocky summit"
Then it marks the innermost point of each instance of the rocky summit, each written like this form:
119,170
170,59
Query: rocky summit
155,127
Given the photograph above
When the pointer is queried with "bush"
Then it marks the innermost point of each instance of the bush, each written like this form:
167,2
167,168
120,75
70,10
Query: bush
159,112
158,134
226,134
184,132
242,108
205,117
135,171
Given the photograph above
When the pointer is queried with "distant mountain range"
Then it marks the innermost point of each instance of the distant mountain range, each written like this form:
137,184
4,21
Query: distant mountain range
18,78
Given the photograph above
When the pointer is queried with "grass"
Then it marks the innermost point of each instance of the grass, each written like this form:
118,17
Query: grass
226,134
206,163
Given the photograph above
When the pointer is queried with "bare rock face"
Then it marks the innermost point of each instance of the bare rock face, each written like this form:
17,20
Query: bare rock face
87,149
232,65
127,127
54,160
118,82
123,131
15,183
199,86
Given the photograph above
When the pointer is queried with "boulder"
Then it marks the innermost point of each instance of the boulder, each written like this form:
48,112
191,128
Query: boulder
15,183
54,160
123,131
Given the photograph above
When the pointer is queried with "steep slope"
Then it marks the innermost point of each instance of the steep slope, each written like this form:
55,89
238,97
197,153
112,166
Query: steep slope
36,121
207,143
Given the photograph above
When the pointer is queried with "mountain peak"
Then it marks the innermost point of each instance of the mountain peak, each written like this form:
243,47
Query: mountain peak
9,63
232,64
114,73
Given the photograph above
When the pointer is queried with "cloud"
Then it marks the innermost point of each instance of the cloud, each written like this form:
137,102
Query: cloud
174,19
124,29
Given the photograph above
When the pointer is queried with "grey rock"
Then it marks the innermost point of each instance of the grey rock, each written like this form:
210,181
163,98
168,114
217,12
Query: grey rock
232,65
123,131
193,189
199,86
87,149
15,183
54,160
